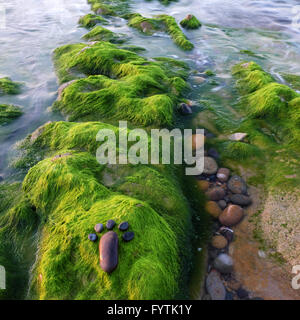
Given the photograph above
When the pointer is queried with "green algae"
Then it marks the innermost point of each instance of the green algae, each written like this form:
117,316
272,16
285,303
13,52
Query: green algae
70,195
162,23
8,113
7,86
18,222
176,33
190,22
90,20
126,86
250,77
292,79
110,7
102,34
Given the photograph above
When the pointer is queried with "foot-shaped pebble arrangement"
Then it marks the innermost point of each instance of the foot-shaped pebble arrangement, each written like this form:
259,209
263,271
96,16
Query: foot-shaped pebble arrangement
109,243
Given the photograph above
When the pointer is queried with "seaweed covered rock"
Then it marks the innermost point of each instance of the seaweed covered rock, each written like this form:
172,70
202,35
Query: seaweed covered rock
7,86
8,113
70,196
101,34
251,77
163,23
190,22
90,20
124,86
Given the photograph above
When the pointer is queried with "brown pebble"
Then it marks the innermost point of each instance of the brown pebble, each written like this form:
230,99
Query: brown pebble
213,209
219,242
203,185
232,215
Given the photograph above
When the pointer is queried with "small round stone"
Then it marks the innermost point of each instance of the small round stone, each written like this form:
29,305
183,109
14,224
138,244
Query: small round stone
237,185
224,263
93,237
232,215
219,242
215,194
110,224
185,109
213,209
213,153
222,204
203,185
240,199
128,236
223,174
124,226
210,166
99,227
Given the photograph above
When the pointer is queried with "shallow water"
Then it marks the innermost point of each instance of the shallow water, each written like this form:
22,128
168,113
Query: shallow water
35,28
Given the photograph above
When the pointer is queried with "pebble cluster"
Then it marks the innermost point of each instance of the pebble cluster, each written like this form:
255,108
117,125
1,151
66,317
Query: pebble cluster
109,243
227,196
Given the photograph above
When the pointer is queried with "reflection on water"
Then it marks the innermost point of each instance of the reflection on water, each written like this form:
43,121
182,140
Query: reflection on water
34,28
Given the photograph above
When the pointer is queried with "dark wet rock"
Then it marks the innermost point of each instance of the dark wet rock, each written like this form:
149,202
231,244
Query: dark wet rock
208,134
222,204
213,153
229,296
1,178
223,174
213,178
215,194
223,263
124,226
110,224
215,287
213,253
240,199
128,236
185,109
210,166
237,185
93,237
227,233
242,293
232,215
108,249
99,227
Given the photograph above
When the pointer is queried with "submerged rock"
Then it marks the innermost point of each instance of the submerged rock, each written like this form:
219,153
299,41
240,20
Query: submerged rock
99,227
110,224
232,215
214,286
108,249
223,263
210,166
128,236
184,109
237,185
